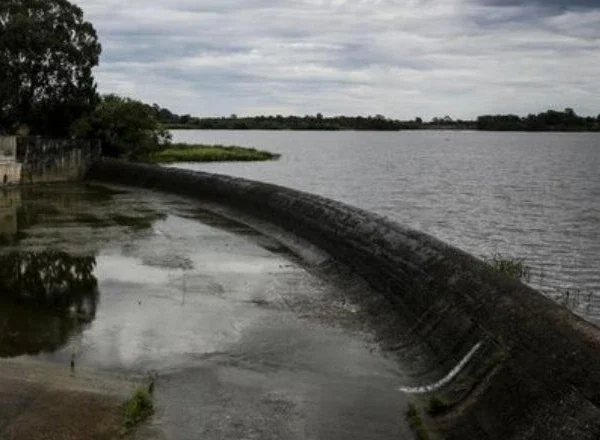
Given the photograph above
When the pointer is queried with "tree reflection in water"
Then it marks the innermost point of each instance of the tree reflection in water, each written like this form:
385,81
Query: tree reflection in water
45,297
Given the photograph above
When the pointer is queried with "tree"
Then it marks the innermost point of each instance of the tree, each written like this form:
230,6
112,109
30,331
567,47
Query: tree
47,52
127,128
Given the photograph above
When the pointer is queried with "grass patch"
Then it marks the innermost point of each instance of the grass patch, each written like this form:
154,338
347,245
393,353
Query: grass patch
416,423
210,153
512,267
138,408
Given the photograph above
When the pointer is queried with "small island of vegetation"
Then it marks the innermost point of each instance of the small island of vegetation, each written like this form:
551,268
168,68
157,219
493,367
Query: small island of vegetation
209,153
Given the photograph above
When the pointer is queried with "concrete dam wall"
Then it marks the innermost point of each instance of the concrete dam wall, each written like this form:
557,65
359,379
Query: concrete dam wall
37,160
533,369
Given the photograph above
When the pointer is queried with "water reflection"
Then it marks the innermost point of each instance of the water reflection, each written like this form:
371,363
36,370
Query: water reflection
45,297
49,235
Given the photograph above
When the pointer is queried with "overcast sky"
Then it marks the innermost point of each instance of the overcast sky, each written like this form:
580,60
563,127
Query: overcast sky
400,58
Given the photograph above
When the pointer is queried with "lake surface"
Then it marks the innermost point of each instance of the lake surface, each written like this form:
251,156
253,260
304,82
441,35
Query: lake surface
534,196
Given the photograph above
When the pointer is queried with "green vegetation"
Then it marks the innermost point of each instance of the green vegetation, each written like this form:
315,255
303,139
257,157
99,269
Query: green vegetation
307,122
47,52
513,267
138,408
127,128
416,422
550,120
279,122
209,153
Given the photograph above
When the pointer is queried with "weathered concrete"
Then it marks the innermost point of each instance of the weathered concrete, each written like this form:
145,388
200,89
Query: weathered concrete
537,375
10,173
8,148
10,170
49,160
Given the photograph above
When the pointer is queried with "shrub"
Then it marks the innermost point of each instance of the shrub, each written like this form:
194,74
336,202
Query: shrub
512,267
127,128
138,408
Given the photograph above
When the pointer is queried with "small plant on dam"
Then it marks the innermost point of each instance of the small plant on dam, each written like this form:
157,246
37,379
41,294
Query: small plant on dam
512,267
138,408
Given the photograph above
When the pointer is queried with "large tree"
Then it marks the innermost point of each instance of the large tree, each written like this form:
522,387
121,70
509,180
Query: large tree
127,128
47,52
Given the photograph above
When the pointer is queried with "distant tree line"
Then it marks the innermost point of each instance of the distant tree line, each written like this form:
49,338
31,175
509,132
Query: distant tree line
550,120
47,55
307,122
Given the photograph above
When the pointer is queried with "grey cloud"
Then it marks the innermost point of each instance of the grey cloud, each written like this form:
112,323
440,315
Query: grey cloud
547,3
555,5
397,57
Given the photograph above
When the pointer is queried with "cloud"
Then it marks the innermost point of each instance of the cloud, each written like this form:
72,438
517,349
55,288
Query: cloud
561,4
401,58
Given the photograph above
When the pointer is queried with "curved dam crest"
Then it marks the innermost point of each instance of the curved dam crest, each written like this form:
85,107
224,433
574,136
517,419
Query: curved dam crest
536,373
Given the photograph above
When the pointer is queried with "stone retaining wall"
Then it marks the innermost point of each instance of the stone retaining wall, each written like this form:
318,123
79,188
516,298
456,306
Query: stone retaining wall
8,148
55,160
10,173
537,375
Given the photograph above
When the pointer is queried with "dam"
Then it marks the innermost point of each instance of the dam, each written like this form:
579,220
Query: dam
299,316
533,374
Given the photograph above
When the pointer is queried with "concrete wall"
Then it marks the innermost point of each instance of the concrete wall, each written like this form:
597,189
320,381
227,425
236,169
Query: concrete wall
10,173
54,160
8,148
10,170
537,375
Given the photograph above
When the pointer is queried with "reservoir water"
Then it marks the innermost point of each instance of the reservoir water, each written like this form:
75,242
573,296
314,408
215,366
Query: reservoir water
531,196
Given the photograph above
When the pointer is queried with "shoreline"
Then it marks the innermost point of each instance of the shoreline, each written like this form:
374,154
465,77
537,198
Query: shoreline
460,129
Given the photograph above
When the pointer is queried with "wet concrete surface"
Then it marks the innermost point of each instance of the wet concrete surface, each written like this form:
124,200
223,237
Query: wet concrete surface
245,343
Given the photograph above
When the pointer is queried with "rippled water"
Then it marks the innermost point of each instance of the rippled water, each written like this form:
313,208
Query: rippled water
523,195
